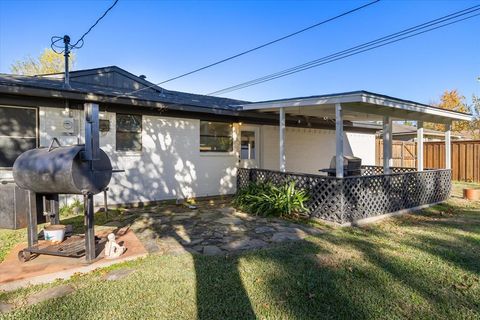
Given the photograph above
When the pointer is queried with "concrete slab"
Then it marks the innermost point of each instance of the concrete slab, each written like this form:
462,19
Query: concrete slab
118,274
44,268
50,293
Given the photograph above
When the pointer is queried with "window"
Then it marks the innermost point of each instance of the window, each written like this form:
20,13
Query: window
18,133
247,145
216,137
129,132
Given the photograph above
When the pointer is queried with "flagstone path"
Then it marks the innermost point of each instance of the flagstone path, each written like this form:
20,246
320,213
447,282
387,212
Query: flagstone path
211,231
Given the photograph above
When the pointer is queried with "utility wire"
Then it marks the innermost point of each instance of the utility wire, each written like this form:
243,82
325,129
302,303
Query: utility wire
56,39
383,41
362,46
258,47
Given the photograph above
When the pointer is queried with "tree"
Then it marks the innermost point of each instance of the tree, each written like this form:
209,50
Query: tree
475,124
452,100
47,62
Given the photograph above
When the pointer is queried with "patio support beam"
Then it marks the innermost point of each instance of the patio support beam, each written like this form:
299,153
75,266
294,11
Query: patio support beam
282,140
448,146
339,140
387,144
420,145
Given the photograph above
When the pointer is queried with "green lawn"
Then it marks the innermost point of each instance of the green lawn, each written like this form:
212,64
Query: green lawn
424,265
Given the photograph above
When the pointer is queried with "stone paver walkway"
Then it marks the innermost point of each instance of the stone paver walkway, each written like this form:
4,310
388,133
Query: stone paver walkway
211,231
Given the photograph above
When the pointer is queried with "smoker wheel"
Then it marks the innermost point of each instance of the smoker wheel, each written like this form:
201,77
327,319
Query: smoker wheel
24,256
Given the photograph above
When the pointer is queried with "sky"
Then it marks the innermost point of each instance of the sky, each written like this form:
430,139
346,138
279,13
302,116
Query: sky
162,39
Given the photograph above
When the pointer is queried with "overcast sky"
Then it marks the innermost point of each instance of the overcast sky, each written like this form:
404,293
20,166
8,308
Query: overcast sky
161,39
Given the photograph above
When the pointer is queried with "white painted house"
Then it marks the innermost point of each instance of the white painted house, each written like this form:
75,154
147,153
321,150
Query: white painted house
171,144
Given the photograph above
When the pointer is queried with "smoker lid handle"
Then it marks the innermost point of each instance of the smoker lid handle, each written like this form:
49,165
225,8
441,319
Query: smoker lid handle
51,144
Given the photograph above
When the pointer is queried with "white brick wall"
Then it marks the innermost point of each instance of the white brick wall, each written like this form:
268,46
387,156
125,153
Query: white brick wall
308,150
171,166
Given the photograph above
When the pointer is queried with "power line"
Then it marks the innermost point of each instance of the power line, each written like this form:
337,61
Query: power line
380,42
56,39
257,47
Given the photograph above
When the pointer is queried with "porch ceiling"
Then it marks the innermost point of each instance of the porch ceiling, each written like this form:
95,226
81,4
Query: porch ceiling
359,106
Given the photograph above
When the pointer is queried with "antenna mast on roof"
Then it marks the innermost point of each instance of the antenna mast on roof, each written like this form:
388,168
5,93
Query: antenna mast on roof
66,53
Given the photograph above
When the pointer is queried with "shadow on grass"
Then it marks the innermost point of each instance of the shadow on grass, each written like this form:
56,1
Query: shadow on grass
394,271
220,293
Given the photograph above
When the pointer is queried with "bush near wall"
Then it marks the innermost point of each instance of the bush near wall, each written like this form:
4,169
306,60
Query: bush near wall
266,199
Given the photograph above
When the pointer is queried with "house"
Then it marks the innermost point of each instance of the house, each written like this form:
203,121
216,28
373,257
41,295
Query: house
171,144
176,145
405,132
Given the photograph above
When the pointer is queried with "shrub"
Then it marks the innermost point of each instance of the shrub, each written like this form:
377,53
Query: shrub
75,207
266,199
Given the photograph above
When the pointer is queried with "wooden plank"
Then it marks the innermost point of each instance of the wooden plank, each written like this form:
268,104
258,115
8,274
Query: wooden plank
455,152
475,161
462,160
469,162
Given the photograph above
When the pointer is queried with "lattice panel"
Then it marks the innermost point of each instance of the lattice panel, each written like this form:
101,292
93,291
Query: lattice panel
377,170
352,198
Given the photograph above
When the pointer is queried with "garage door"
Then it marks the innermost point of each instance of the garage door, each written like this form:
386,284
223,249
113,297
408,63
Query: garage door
18,133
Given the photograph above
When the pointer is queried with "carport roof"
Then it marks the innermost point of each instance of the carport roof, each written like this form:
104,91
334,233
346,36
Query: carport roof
359,106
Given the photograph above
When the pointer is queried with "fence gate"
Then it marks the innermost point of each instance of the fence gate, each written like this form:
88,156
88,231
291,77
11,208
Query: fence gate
404,153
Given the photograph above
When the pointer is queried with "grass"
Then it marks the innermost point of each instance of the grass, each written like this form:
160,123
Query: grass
417,266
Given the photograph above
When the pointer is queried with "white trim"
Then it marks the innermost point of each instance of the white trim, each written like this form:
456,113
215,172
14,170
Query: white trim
358,98
448,147
420,145
217,154
282,139
387,144
338,140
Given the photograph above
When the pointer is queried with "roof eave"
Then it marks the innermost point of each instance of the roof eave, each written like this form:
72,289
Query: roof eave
78,95
358,97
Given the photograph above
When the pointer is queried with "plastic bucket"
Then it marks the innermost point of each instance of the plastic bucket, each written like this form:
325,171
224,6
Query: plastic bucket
54,232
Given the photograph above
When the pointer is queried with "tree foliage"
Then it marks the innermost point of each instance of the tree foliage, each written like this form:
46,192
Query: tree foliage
452,100
475,125
47,62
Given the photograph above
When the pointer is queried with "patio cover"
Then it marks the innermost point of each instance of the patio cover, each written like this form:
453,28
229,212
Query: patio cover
361,106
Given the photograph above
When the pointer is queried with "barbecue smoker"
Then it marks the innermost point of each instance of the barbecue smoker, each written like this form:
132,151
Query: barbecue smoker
48,172
352,166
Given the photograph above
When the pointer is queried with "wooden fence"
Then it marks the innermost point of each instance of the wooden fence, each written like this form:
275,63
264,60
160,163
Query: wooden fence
404,153
465,157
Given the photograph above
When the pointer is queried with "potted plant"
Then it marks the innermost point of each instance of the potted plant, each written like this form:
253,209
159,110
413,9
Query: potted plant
472,194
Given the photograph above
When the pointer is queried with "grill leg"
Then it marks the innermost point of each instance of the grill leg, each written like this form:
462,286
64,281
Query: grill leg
89,229
32,219
54,209
105,202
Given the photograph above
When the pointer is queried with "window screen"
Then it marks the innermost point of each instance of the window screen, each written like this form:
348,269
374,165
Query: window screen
129,132
216,137
18,133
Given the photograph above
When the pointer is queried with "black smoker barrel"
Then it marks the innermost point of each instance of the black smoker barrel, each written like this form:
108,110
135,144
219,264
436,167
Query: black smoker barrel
62,170
48,172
